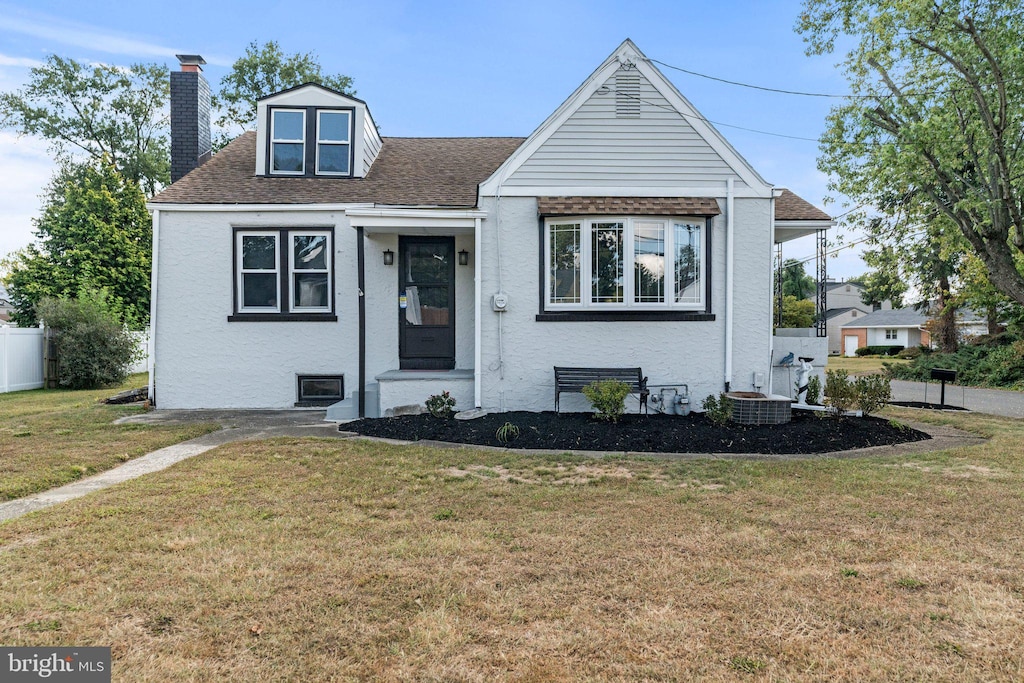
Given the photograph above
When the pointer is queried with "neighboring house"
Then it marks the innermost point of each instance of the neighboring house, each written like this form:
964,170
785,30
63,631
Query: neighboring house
898,327
835,319
315,262
849,295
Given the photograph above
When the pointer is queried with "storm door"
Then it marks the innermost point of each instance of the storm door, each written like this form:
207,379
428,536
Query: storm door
426,303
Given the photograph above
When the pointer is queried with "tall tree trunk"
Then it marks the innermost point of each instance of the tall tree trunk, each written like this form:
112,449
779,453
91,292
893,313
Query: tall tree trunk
945,332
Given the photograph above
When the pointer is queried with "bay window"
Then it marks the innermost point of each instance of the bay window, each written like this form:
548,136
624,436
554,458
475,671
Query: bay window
625,264
284,273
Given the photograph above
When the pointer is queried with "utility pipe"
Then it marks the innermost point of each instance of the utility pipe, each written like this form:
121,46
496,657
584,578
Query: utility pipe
151,363
729,278
477,311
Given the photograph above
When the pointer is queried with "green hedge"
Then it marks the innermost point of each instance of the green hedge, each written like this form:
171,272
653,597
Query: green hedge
996,361
879,350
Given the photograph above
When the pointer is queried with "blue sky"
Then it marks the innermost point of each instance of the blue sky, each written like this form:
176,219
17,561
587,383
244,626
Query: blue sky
454,69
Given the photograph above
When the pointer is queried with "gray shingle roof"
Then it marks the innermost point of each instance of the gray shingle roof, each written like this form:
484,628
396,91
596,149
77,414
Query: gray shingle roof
898,317
412,172
407,172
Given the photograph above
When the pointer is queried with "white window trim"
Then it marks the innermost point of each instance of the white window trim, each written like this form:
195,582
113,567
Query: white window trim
347,143
586,224
328,249
274,140
239,236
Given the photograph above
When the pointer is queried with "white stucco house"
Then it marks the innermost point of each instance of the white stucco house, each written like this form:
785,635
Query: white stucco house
315,262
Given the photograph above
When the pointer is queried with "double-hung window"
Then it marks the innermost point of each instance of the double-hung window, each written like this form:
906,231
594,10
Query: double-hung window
333,142
283,273
891,334
288,141
625,264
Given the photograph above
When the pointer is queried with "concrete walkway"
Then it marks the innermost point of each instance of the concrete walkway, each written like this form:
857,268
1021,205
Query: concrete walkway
991,401
237,425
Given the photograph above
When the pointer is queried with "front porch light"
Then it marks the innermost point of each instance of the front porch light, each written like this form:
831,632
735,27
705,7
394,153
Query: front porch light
389,257
463,257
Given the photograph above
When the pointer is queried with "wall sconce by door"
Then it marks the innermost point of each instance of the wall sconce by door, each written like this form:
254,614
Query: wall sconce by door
389,257
463,257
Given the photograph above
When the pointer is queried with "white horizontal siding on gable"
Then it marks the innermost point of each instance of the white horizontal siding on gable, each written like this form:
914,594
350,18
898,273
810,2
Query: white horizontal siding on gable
371,144
597,148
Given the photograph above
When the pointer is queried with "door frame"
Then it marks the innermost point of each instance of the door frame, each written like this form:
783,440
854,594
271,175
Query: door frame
426,362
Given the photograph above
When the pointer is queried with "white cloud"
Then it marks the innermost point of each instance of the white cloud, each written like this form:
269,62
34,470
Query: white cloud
26,62
53,28
25,168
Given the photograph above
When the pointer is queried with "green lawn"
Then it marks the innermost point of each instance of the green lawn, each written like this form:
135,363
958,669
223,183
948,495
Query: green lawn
310,559
862,365
52,437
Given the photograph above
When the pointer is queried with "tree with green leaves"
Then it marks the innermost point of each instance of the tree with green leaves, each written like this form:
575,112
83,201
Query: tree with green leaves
106,113
94,234
265,70
930,134
884,281
795,280
797,312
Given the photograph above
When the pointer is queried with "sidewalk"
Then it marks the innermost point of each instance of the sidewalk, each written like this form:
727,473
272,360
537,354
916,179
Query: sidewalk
237,425
991,401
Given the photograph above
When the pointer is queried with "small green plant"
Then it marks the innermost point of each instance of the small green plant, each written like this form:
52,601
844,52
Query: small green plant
718,409
507,433
441,405
608,396
871,393
814,390
746,665
839,392
444,514
910,584
850,573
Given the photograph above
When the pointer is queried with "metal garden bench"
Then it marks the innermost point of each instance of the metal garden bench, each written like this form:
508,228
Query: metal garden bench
573,380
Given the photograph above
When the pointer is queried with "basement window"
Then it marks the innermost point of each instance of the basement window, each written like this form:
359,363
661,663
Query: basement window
320,390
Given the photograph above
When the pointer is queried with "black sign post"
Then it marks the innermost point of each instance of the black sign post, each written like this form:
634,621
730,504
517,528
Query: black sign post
943,376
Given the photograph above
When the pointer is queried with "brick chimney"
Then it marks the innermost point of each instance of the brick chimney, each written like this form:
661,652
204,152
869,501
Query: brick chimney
190,116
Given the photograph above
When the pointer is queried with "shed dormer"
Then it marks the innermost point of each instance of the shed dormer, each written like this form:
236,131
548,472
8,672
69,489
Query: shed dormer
311,131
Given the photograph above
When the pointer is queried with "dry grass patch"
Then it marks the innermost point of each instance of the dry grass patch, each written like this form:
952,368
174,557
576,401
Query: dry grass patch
316,560
52,437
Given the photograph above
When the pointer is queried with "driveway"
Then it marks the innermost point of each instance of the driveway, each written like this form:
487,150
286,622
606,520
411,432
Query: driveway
991,401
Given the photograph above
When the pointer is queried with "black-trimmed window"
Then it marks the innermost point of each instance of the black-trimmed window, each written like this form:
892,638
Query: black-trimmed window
627,264
288,141
283,274
310,141
319,390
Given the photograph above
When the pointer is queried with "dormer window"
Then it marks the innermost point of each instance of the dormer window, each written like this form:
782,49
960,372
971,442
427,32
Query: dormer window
287,141
333,142
310,141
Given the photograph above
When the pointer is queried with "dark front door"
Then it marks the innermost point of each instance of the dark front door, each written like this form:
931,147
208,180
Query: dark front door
426,312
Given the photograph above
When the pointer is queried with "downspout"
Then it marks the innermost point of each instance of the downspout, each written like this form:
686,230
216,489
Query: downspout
478,312
361,285
151,389
771,295
729,258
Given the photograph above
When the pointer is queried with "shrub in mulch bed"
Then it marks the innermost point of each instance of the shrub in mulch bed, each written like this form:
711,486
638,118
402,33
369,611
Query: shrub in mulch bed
806,434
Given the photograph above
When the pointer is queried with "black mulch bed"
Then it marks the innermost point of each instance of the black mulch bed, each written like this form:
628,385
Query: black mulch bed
806,434
926,406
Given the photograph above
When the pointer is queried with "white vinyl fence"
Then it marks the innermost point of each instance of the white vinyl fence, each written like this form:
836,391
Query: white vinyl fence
21,357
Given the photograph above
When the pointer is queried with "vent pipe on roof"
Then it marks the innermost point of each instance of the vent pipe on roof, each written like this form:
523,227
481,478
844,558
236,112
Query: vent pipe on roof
190,117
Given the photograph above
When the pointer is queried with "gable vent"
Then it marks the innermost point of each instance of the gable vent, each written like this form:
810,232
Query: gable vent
627,96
